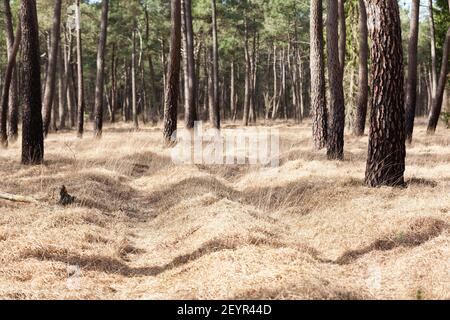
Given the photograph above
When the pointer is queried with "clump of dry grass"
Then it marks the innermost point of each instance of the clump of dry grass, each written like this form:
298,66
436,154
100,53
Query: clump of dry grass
142,227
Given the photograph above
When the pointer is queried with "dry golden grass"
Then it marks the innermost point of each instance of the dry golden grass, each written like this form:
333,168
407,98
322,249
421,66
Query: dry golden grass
143,228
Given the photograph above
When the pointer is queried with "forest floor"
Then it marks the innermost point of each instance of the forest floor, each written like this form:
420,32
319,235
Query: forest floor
144,228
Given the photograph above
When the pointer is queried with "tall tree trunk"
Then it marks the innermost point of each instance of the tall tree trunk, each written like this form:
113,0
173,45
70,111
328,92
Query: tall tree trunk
154,105
50,82
363,87
232,90
437,101
254,83
133,81
275,85
211,107
335,141
55,111
62,94
411,86
318,97
6,88
80,80
164,66
283,84
71,103
247,76
433,51
429,83
206,72
215,70
386,154
190,86
98,107
173,74
32,129
300,88
113,84
342,34
13,106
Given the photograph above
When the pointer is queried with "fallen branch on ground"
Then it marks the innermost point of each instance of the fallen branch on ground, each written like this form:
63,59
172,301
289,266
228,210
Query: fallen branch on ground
17,198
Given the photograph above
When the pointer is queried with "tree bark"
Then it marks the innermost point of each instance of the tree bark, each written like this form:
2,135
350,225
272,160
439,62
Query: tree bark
98,106
411,86
433,51
71,103
437,101
55,111
215,69
232,90
173,74
80,80
342,34
335,141
386,152
154,105
9,75
363,87
133,81
318,97
190,81
50,83
113,84
275,102
62,94
32,128
247,76
13,106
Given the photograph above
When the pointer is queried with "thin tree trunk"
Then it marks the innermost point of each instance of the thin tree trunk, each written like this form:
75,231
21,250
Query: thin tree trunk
247,77
154,105
99,84
173,75
80,80
32,129
133,82
6,89
283,84
411,86
211,107
71,103
215,69
275,84
363,87
254,72
113,84
438,98
55,111
342,34
62,94
53,53
232,89
300,89
318,96
13,106
386,153
190,81
433,50
335,142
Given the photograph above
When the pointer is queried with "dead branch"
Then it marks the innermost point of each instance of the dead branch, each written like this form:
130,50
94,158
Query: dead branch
17,198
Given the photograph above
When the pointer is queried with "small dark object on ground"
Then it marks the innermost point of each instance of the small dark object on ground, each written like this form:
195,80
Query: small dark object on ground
65,198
